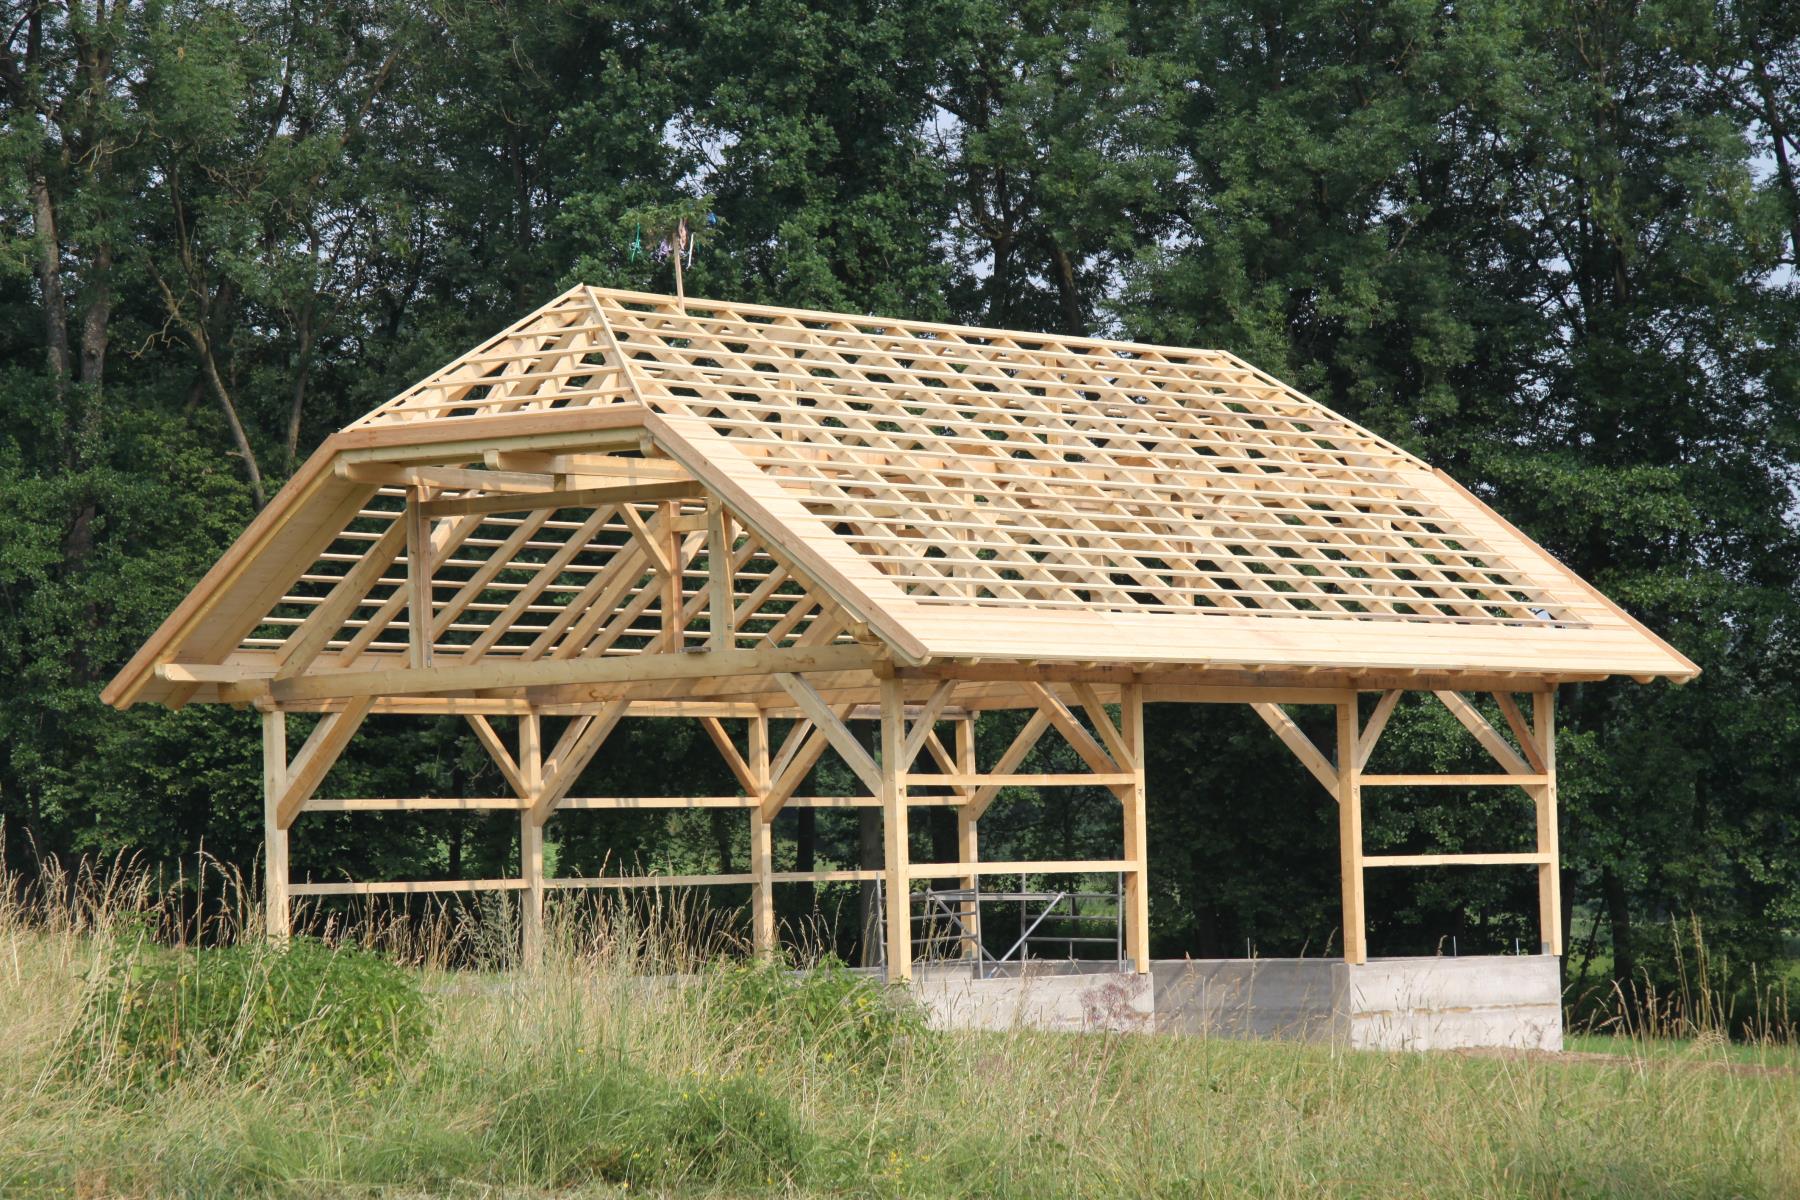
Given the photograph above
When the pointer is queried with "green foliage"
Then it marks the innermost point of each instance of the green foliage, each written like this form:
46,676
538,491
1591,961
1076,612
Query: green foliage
826,1008
156,1015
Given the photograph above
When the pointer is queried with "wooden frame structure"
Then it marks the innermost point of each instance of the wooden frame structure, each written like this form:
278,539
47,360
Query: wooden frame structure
781,522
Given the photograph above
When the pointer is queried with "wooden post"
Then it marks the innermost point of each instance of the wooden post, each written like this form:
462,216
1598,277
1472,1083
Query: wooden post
674,639
531,841
275,835
968,843
418,580
720,600
762,841
1137,881
1543,719
893,834
1350,835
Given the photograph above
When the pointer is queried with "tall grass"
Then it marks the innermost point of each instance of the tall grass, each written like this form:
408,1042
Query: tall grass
641,1057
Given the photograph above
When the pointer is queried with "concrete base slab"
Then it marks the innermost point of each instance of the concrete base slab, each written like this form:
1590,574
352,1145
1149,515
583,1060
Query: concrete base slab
1073,1001
1384,1004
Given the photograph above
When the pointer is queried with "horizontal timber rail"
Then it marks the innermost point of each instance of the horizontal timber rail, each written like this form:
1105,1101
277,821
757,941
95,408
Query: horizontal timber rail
1452,780
1523,858
1068,867
1120,779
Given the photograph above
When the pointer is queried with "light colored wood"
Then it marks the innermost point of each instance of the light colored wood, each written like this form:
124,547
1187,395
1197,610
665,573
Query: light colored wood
317,755
596,497
379,804
407,887
1486,734
1022,745
922,724
625,668
968,836
531,838
1137,835
846,876
1454,860
1521,730
650,881
998,779
842,740
1083,866
496,749
1543,739
762,839
574,750
1296,740
890,785
1522,781
721,607
1080,740
1095,707
1351,859
275,835
1384,708
741,769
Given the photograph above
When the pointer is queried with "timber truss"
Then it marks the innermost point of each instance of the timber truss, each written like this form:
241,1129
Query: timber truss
782,522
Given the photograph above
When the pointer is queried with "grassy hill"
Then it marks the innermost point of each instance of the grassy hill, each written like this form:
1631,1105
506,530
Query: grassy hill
136,1071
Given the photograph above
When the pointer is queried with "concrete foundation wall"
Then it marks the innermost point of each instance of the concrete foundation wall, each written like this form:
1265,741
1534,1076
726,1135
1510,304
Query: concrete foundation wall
1385,1004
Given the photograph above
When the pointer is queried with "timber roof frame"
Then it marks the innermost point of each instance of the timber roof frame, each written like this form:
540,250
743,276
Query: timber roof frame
630,496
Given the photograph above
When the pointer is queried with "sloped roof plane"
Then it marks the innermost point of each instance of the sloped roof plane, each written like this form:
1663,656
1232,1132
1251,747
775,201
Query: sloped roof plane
942,493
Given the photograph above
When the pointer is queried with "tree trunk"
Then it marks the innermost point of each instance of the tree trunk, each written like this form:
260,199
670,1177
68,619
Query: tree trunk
96,320
49,274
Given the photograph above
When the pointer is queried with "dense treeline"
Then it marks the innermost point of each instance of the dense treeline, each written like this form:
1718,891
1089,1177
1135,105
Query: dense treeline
1549,245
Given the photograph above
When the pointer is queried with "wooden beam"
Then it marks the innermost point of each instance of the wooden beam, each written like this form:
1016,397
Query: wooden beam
1455,860
1084,866
1350,836
531,838
890,785
1521,729
597,497
1022,745
1000,779
1296,740
276,908
1137,835
842,740
1072,730
1486,734
968,838
740,769
419,551
454,479
1520,781
313,634
503,759
1543,737
321,750
721,606
922,724
1095,706
490,675
1384,708
574,750
762,840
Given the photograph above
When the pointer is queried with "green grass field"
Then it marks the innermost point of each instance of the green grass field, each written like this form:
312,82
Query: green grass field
586,1079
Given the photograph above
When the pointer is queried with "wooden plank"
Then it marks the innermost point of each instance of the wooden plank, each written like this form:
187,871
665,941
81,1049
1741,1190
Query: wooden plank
1384,708
1296,740
1543,737
923,723
617,669
721,608
740,769
1000,779
531,837
1520,781
1082,866
840,737
1351,859
417,804
490,741
1095,706
651,881
419,553
1454,860
407,887
596,497
276,890
1071,729
574,750
304,645
890,785
1521,729
1486,734
321,750
1136,829
1022,745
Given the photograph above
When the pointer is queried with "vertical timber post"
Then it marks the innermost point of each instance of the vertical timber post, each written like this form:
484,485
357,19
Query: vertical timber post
1350,833
1137,852
418,581
968,841
762,841
1543,720
898,890
275,837
531,841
